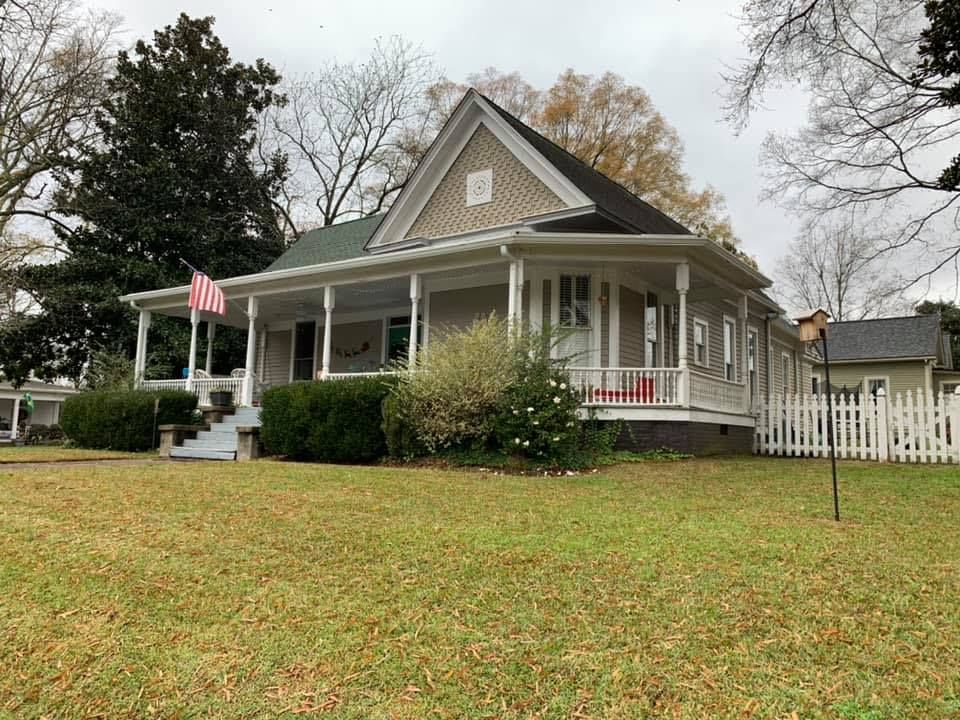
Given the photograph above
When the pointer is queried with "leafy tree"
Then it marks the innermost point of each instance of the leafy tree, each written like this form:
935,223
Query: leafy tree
949,322
611,126
882,79
171,178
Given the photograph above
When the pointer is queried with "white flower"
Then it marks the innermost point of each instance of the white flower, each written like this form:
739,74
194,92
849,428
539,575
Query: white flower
516,412
536,422
556,438
570,424
556,400
553,383
526,443
563,386
516,441
529,409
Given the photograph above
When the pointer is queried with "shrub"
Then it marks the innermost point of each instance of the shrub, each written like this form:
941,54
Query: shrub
123,420
331,421
44,433
452,398
399,432
537,414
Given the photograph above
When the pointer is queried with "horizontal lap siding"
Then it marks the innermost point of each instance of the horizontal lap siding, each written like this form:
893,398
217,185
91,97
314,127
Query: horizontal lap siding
759,324
632,305
904,376
460,308
605,326
277,358
713,315
347,346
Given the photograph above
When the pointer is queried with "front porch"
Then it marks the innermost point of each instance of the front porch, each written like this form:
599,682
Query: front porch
648,333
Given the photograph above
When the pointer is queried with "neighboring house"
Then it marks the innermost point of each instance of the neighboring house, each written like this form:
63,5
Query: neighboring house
900,355
47,399
667,330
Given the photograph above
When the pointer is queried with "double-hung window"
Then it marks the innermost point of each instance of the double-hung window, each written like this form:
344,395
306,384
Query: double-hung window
753,343
701,332
785,372
575,318
729,349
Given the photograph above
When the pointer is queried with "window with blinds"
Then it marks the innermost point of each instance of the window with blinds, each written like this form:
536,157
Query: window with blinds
575,318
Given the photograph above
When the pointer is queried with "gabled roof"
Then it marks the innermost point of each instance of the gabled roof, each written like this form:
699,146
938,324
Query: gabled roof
608,195
917,336
343,241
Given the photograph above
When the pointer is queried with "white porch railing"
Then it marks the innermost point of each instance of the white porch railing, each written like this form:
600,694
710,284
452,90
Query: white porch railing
348,375
640,387
163,384
242,386
713,393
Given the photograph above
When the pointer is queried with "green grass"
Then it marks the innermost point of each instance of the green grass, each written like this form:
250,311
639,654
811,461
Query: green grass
55,453
693,589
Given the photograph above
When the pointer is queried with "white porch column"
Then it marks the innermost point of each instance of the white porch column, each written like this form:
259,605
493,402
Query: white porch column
211,334
250,364
14,421
743,309
512,296
329,301
683,286
192,360
518,298
415,294
140,362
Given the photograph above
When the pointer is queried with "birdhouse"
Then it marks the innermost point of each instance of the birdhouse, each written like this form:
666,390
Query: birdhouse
812,323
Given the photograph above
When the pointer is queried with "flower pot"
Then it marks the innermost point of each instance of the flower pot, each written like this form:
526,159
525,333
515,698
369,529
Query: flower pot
221,398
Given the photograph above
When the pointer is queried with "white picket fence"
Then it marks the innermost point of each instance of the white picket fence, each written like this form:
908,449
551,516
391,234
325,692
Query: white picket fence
914,428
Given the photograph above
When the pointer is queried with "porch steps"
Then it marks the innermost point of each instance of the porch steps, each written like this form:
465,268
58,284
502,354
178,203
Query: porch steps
220,441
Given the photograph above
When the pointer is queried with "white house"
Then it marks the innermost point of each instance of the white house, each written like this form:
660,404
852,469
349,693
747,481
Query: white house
670,331
47,399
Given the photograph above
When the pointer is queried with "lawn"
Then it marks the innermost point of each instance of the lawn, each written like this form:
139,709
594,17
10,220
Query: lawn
697,589
53,453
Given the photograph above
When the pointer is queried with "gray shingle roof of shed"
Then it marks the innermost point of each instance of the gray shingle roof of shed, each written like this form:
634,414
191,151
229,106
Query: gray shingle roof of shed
343,241
902,337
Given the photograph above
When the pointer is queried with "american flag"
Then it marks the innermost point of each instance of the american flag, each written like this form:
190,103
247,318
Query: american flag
205,296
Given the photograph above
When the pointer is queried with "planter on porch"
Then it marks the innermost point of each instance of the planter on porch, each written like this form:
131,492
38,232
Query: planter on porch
221,398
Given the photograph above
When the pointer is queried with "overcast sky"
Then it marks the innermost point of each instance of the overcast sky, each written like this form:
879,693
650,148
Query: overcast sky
675,49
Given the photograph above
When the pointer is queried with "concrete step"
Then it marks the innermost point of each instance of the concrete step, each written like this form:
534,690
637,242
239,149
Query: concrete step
208,444
217,438
202,453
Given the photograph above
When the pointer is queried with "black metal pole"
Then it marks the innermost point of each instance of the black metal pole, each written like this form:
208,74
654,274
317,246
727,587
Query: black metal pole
830,438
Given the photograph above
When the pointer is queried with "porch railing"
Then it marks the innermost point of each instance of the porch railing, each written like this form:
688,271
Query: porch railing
641,387
713,393
202,387
348,375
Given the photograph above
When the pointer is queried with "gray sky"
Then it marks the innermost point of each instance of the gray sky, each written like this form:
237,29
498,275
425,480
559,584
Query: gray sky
675,49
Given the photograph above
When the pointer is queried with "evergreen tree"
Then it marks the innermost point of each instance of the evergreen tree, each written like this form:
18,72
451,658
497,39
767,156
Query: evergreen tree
171,177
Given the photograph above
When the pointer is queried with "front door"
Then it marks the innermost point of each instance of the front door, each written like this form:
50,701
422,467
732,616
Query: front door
304,346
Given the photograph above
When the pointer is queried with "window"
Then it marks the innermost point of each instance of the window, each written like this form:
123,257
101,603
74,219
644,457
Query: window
785,371
701,332
753,343
575,315
303,349
729,349
872,384
815,384
398,336
652,334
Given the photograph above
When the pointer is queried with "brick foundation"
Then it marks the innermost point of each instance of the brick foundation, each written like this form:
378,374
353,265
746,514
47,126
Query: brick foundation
695,438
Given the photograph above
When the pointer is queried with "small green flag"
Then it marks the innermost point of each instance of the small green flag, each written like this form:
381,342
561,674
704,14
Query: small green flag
28,402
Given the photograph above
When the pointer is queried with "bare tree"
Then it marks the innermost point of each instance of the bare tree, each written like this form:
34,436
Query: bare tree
352,134
54,60
880,121
836,266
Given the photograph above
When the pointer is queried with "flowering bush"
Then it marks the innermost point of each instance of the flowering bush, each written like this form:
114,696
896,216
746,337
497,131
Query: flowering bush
537,417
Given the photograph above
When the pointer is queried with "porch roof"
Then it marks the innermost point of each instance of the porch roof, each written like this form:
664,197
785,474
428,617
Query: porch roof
712,263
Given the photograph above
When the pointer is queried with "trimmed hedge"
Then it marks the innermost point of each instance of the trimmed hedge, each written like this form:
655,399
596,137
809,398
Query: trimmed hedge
123,420
337,421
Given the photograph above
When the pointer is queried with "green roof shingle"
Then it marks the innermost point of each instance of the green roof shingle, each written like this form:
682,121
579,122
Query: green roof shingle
329,244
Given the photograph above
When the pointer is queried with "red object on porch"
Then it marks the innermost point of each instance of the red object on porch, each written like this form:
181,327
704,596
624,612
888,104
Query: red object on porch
642,393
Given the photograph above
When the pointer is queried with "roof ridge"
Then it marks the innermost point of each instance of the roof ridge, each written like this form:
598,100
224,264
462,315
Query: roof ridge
345,222
915,316
577,160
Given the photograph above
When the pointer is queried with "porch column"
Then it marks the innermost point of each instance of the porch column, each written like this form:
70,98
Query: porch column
211,333
15,420
512,296
329,300
743,309
192,360
683,286
250,365
415,293
140,362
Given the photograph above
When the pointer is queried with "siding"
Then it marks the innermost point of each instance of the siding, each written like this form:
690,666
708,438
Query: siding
459,308
547,295
632,305
347,343
759,324
277,358
517,192
904,376
712,314
605,326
